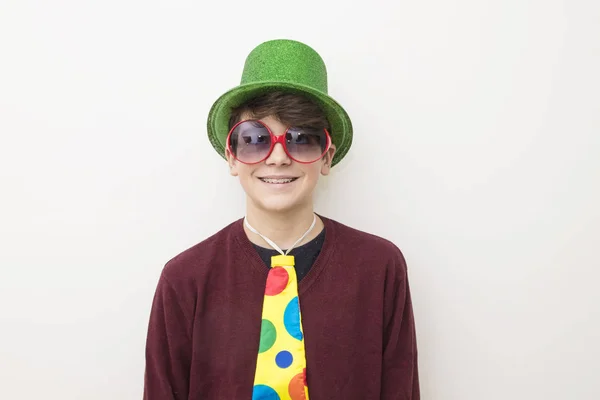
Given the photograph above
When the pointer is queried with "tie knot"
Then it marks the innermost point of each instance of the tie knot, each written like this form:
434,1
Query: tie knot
282,261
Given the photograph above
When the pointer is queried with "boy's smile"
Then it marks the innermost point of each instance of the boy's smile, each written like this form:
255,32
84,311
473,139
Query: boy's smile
278,183
278,179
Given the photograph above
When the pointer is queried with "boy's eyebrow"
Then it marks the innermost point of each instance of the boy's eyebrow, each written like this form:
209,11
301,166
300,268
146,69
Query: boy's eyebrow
245,129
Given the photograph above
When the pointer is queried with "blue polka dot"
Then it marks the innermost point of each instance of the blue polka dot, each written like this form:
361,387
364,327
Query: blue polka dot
291,319
284,359
264,392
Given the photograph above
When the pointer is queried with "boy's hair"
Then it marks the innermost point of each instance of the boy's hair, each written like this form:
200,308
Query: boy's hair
289,108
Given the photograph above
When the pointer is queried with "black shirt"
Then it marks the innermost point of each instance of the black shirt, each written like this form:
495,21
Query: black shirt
304,256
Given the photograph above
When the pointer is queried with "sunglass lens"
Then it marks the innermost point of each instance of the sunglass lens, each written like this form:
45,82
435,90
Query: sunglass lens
306,144
250,141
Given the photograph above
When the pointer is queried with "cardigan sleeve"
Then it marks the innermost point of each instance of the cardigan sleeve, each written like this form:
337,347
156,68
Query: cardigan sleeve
400,377
168,345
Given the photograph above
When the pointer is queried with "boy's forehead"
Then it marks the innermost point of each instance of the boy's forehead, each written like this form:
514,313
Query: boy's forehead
249,115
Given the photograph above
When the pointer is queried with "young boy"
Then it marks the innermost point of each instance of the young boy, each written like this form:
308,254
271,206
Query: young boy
236,317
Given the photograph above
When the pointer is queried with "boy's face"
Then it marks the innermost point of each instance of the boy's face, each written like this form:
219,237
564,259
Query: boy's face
268,195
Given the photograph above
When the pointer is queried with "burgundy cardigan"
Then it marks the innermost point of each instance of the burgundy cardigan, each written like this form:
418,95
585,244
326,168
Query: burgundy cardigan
357,316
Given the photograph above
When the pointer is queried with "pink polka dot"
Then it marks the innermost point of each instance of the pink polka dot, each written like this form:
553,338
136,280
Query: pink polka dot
277,280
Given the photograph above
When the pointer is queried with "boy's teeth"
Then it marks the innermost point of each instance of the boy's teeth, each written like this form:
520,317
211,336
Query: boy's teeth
269,180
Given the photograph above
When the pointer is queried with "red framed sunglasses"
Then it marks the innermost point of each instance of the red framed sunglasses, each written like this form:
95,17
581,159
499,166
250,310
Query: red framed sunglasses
252,142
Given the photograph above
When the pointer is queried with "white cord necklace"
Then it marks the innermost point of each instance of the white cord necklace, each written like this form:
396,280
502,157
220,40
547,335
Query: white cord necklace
273,243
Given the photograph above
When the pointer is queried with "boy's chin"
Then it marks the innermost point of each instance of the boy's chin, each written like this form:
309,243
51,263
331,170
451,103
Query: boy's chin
277,206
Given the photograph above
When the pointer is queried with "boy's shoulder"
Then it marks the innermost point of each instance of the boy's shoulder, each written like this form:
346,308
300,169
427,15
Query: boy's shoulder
355,241
198,257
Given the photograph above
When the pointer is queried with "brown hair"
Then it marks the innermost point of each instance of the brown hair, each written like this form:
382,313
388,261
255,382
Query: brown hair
289,108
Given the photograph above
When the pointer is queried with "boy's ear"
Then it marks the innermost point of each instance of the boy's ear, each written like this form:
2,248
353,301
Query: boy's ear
327,159
232,163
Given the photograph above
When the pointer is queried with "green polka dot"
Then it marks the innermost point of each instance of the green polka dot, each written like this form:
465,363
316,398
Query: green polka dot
268,334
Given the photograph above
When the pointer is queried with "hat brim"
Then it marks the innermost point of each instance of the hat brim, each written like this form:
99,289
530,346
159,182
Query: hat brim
219,114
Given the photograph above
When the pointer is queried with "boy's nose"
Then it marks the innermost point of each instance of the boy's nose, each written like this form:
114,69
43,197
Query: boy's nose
278,156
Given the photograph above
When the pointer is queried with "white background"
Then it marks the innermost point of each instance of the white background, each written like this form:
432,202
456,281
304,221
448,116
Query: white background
476,150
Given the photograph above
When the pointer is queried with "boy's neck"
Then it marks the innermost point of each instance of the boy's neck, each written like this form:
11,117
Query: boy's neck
283,228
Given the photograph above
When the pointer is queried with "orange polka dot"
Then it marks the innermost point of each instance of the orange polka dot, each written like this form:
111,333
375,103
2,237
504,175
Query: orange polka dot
296,387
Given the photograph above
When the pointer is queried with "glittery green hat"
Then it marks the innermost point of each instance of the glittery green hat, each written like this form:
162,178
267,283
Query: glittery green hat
282,65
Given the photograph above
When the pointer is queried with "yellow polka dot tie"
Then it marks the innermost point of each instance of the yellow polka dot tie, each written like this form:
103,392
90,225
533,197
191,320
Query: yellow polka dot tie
281,361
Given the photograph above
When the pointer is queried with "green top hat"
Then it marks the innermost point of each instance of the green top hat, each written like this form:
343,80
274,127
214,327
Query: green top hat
283,65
